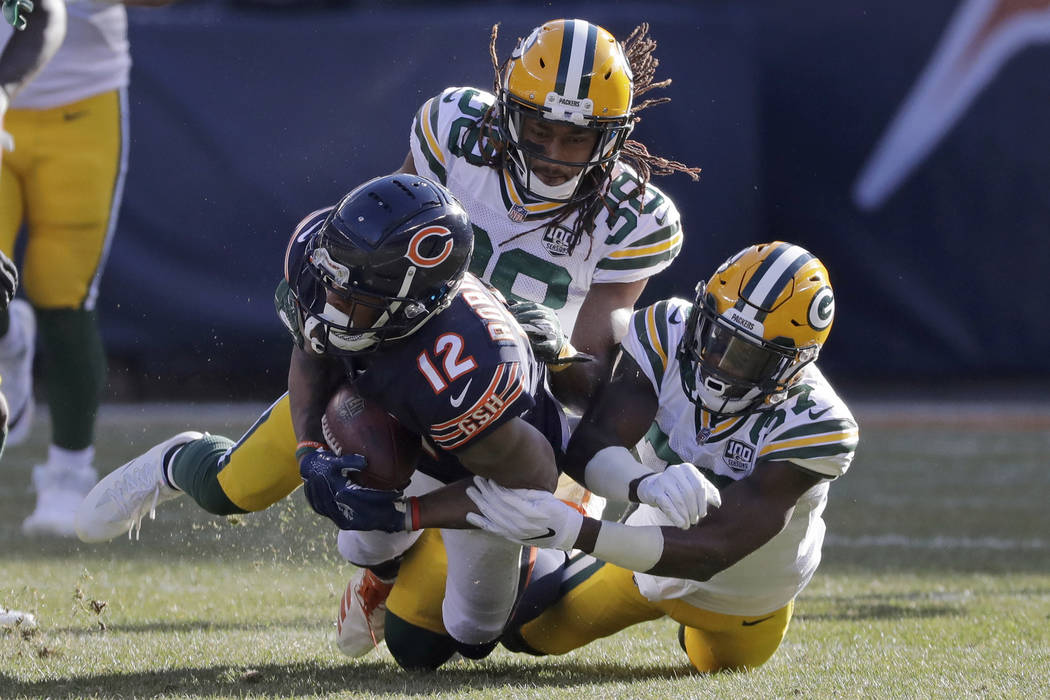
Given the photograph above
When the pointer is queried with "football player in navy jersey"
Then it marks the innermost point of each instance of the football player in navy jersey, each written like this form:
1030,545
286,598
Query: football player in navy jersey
739,435
564,215
376,291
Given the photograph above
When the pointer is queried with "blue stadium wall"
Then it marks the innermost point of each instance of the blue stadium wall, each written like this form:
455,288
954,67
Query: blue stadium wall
245,120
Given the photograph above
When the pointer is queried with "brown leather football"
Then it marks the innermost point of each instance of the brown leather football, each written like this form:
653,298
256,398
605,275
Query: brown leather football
352,425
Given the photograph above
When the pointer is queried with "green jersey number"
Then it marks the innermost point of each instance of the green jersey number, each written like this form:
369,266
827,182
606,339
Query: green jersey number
519,262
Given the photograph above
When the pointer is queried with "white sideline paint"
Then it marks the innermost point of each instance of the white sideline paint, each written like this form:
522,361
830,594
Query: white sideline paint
936,542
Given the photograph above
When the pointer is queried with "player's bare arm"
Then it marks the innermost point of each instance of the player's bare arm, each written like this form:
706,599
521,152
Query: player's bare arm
515,455
409,166
754,510
312,379
620,414
601,323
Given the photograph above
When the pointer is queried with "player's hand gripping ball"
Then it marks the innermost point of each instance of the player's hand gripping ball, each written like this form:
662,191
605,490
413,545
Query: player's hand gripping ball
352,425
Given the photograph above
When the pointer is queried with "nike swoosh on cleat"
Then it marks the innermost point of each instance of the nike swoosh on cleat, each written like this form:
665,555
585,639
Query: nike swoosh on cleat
752,623
549,533
457,400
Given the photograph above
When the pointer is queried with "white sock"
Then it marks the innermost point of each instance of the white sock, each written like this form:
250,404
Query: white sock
62,459
167,469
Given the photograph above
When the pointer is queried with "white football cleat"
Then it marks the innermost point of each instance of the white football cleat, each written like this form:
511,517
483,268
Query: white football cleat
361,623
58,493
120,501
16,370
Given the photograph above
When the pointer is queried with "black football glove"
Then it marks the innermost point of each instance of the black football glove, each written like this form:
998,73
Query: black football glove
8,280
543,329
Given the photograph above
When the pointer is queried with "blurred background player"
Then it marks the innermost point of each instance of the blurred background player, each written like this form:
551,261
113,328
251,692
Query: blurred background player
731,384
64,183
8,285
563,214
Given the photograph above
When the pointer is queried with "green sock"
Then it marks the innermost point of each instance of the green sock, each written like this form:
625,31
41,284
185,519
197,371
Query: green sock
75,371
195,470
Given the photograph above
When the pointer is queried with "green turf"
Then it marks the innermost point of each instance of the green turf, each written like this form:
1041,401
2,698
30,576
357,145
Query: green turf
935,584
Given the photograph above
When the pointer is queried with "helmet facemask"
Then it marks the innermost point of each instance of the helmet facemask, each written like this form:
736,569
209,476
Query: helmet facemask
364,321
569,73
522,154
732,370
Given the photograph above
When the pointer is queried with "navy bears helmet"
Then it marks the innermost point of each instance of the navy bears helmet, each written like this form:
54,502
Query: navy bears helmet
398,246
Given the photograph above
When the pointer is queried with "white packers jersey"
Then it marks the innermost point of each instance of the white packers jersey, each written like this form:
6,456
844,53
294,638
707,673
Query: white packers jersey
531,259
92,59
813,429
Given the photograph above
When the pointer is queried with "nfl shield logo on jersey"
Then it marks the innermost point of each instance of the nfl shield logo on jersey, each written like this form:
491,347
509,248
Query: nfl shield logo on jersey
738,456
517,213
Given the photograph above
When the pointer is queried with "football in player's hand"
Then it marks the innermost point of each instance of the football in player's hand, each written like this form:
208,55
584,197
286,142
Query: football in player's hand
352,425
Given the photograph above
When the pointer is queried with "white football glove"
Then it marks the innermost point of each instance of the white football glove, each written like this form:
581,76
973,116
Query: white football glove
529,517
681,493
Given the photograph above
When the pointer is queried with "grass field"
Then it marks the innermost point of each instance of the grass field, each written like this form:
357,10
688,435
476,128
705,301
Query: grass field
935,584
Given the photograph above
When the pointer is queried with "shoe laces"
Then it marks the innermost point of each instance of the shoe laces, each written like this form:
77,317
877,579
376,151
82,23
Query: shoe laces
373,594
136,523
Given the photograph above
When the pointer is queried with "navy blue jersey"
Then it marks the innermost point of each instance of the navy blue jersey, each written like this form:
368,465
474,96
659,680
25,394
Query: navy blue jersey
465,372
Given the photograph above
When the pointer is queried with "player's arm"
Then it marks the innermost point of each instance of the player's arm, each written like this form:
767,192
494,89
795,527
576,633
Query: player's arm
619,417
753,511
312,379
600,325
515,453
409,166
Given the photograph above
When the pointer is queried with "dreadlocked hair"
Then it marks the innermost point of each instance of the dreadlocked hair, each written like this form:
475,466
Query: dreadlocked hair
638,49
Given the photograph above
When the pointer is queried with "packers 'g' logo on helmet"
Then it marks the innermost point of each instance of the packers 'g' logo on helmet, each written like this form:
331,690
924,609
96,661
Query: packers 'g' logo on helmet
570,71
761,318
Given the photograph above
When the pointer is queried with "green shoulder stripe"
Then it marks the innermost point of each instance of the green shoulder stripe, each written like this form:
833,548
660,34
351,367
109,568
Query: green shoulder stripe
813,451
659,236
818,428
425,127
650,328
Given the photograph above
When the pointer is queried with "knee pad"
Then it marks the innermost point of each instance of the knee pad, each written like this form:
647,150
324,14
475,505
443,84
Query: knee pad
368,548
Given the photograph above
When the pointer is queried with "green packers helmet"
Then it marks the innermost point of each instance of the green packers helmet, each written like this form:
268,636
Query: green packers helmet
761,318
569,71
